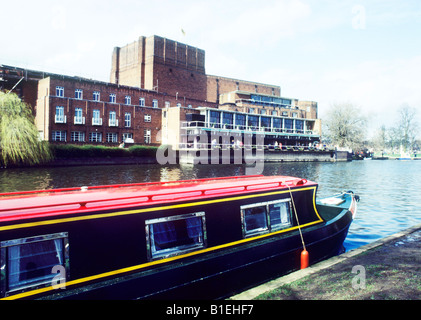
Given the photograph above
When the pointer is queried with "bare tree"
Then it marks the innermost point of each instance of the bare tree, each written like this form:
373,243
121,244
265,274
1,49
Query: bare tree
345,126
393,138
408,127
380,140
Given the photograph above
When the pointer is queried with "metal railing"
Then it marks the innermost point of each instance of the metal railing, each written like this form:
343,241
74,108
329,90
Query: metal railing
97,121
60,118
260,129
235,146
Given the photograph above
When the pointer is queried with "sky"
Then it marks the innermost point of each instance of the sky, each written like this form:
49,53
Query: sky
367,53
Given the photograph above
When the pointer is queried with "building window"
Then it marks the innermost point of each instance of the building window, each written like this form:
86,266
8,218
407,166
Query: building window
59,91
30,262
77,136
265,122
299,126
79,119
60,117
127,120
128,100
262,111
79,94
96,118
112,98
147,136
128,137
227,119
240,121
251,110
189,106
148,118
287,102
288,125
255,98
215,118
174,235
95,137
167,104
96,95
112,119
266,217
253,122
111,137
59,136
142,102
154,103
277,124
274,113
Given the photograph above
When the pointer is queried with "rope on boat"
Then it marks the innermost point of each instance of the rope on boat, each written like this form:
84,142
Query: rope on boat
296,217
304,253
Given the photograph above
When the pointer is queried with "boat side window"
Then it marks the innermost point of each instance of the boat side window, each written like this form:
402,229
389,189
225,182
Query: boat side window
29,263
280,214
175,235
255,220
266,217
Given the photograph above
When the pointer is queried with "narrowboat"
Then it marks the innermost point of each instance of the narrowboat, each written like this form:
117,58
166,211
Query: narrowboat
191,239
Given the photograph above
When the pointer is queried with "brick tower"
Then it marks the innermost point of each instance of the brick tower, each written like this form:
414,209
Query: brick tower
163,65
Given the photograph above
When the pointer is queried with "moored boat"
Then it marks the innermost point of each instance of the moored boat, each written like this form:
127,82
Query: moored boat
193,239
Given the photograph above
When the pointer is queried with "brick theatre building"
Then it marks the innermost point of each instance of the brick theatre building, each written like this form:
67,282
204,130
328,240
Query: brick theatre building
149,77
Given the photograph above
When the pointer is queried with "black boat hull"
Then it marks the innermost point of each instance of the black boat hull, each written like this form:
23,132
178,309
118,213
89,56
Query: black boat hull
224,272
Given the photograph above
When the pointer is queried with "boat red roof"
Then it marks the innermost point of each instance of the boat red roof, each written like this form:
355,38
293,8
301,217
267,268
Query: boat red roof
30,204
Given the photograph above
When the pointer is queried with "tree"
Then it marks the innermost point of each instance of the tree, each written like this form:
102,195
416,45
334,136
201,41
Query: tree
380,140
345,126
407,127
19,138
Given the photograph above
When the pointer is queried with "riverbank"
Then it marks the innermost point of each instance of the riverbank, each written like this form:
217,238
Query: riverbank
396,156
71,162
390,268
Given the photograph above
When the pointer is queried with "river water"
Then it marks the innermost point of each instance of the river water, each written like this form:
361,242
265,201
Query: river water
390,190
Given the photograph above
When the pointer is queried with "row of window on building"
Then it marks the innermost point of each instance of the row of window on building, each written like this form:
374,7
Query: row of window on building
60,117
272,112
271,100
243,121
112,98
110,137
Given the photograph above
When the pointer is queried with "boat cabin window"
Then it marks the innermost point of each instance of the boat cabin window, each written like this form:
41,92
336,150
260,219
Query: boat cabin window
175,235
29,263
280,214
263,217
255,220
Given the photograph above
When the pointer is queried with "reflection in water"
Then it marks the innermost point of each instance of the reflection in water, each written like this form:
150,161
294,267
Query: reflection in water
389,190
